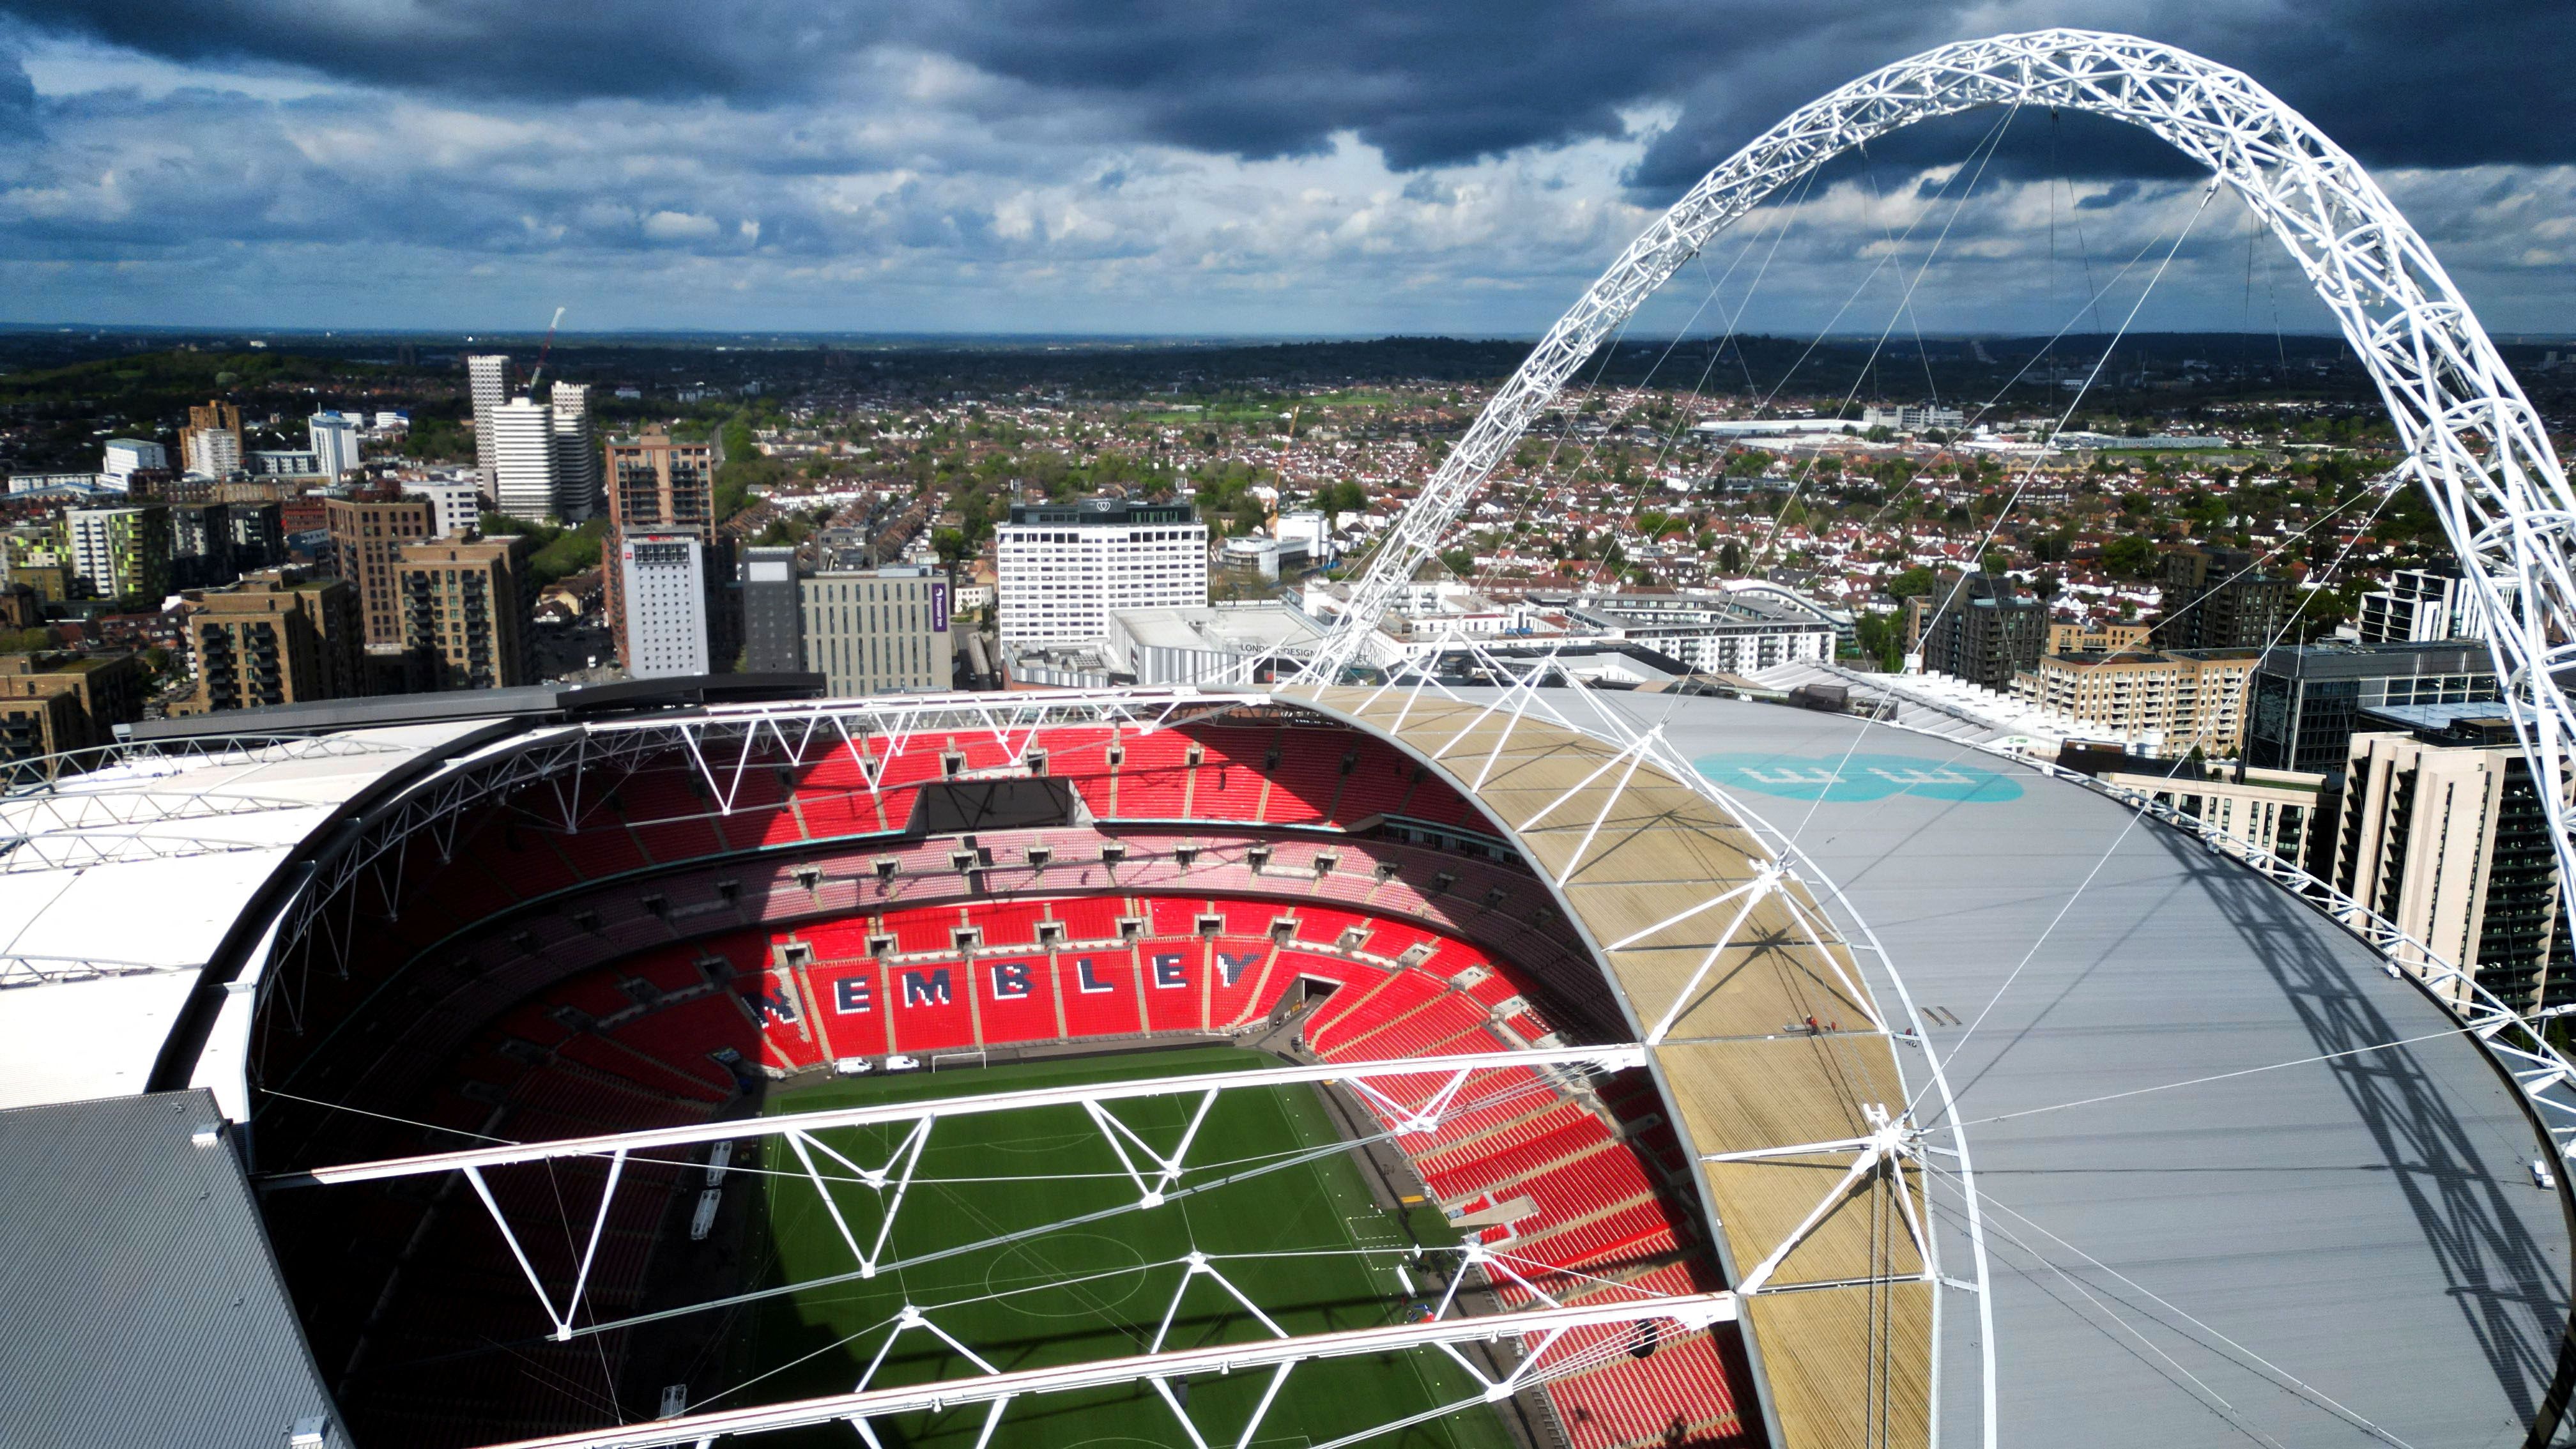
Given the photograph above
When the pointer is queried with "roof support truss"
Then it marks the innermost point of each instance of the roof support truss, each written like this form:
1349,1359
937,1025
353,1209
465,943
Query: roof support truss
1688,1311
1600,1058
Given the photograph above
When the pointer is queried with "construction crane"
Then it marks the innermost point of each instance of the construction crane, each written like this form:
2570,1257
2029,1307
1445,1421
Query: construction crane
542,351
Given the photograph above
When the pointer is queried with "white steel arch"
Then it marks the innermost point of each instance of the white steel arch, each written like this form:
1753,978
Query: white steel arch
2472,440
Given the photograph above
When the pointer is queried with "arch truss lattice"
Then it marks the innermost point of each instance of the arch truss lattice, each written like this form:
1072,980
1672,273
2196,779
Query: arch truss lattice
2471,439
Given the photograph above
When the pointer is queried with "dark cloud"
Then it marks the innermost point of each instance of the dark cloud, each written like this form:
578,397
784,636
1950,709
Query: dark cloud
986,167
1429,82
17,95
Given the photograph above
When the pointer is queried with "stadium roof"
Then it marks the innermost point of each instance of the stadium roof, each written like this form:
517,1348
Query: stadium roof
195,825
526,702
2294,1255
2338,1186
142,1302
119,885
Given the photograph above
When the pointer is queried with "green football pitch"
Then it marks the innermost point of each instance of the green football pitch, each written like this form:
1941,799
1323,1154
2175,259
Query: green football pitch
1100,1289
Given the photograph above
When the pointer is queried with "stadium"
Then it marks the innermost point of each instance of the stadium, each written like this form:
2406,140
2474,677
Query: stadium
1437,1055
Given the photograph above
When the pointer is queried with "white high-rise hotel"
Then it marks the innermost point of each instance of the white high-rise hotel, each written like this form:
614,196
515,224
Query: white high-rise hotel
665,598
1064,569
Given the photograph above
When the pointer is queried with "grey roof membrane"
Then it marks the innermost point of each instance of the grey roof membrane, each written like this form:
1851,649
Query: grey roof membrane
2289,1257
142,1303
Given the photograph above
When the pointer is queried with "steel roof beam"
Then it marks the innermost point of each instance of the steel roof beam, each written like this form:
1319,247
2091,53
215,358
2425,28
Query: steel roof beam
1607,1058
1692,1311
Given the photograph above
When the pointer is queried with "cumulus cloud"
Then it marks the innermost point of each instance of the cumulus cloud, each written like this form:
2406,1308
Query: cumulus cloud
1462,165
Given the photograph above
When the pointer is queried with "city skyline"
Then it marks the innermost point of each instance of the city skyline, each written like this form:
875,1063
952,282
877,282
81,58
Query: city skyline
1247,175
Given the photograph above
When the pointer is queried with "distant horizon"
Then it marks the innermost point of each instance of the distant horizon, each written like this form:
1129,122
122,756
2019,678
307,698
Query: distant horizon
1210,338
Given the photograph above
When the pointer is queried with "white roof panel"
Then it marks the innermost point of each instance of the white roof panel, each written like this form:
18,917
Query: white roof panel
148,863
73,1041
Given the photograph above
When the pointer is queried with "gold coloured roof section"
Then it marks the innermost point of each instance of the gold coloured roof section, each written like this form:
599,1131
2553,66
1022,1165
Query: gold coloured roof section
1841,1325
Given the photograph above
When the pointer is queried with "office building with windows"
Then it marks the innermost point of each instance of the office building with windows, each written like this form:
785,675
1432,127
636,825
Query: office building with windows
2307,701
662,590
879,630
122,458
455,506
773,620
1063,569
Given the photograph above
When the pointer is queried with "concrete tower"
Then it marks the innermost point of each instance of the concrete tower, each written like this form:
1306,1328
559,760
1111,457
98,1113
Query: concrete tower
576,454
489,376
523,459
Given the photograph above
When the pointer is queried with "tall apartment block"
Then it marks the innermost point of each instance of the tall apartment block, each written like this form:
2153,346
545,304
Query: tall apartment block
1064,569
259,533
202,551
211,443
487,376
577,469
879,631
335,444
2418,606
545,462
663,597
2181,700
523,459
465,608
368,535
2443,834
276,638
119,553
658,483
50,703
2219,598
1980,629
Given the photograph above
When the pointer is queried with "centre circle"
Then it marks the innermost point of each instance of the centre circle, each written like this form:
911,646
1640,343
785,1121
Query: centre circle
1028,1260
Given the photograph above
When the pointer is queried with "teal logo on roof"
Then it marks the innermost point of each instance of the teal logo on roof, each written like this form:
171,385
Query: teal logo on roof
1859,778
